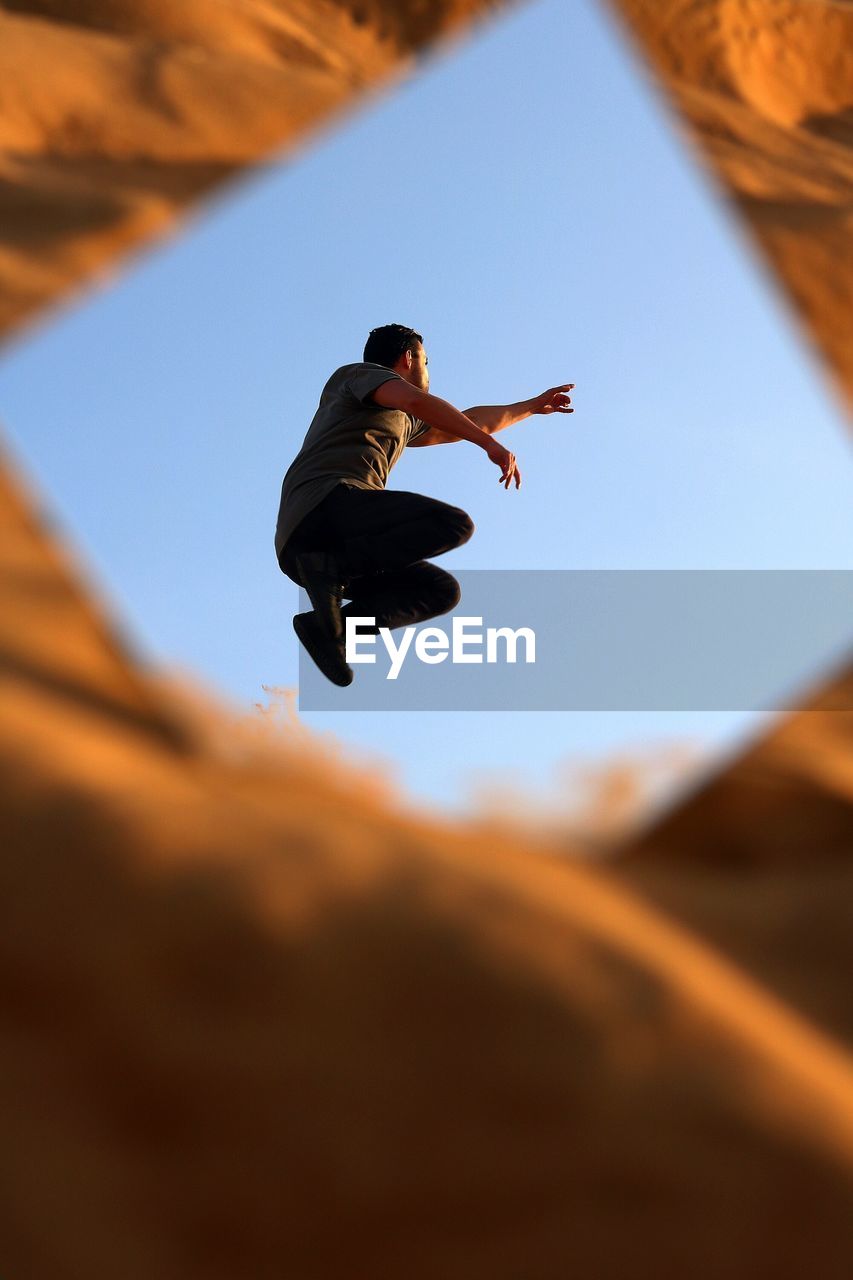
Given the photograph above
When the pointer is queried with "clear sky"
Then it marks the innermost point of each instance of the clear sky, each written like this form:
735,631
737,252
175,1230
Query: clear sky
525,202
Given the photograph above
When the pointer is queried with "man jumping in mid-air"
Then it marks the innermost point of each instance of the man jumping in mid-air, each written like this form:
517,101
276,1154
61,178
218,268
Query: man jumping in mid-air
341,533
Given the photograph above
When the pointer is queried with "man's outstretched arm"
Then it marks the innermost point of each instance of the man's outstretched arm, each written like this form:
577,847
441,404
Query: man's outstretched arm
446,418
494,417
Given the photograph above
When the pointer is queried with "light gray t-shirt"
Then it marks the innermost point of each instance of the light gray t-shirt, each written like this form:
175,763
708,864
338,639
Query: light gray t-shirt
350,439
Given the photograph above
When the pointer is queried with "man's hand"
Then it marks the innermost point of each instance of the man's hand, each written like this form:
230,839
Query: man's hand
507,463
556,400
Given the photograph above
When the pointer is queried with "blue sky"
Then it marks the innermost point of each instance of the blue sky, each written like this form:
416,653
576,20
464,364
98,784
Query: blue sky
525,202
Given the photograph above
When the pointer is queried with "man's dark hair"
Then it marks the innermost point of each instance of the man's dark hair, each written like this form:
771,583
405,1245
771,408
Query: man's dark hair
387,343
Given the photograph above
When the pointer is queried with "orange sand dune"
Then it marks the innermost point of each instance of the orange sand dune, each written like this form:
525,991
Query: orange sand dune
759,858
115,115
785,801
251,1014
231,1030
766,88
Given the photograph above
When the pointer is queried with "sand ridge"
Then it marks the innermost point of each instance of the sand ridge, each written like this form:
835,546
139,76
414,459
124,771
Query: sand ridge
765,87
116,116
242,998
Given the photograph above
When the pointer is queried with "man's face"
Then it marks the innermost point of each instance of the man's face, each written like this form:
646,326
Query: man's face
419,372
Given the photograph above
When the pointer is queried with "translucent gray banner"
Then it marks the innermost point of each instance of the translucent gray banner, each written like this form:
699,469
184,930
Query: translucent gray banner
606,640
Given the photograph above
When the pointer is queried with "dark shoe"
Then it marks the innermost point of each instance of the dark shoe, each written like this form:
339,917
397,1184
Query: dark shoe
321,578
326,652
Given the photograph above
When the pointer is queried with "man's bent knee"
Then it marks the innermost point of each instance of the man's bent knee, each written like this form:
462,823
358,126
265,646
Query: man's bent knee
461,524
446,595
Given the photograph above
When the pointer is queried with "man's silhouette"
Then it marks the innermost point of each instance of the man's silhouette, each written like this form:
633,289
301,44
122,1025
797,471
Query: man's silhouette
341,533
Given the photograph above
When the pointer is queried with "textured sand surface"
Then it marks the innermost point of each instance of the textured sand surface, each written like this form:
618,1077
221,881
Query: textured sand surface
787,801
760,858
766,88
250,1014
240,1002
115,115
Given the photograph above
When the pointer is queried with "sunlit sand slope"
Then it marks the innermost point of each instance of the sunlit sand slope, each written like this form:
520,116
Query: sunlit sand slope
116,114
760,857
766,87
785,801
249,1014
54,636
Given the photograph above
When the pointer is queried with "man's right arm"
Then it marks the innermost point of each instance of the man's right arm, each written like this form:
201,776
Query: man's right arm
399,394
441,414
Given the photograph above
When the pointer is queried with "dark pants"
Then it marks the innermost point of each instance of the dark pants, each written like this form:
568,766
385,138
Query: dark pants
381,539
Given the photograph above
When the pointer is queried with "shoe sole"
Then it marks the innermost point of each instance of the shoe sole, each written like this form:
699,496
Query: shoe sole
321,659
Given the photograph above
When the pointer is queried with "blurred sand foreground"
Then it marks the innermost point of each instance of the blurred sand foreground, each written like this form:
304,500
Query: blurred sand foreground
257,1022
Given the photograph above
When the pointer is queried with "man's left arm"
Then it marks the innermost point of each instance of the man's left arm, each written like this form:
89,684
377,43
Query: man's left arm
495,417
